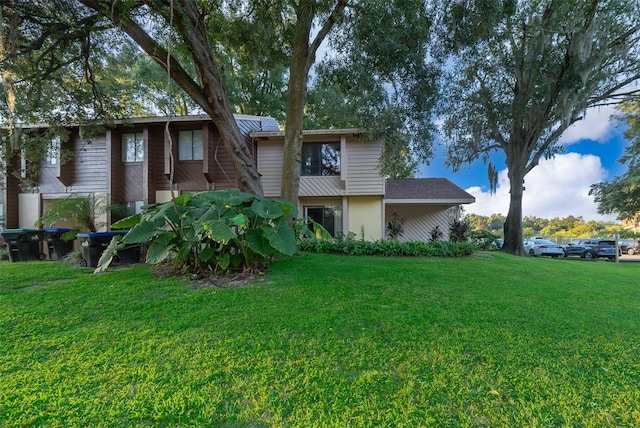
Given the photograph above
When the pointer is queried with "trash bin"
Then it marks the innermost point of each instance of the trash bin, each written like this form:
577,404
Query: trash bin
93,245
127,255
23,244
57,247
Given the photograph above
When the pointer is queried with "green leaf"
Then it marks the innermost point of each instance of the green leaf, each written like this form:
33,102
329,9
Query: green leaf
109,253
280,236
239,220
219,231
159,249
266,209
224,260
141,233
207,253
127,223
182,199
258,242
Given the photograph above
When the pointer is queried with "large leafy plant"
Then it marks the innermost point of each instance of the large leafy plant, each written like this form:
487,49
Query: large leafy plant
209,232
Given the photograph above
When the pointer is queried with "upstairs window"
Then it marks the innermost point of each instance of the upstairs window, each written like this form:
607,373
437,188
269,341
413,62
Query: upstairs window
132,147
190,145
320,159
52,154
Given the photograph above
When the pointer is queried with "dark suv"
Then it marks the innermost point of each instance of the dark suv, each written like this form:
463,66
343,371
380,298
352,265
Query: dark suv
630,246
591,248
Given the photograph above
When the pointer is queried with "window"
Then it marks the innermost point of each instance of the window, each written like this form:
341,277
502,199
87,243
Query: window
329,217
190,145
132,147
320,159
133,207
53,152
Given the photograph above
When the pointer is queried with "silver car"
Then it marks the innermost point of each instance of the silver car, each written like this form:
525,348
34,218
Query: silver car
542,247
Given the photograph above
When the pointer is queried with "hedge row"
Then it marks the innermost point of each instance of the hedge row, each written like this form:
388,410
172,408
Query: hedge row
388,248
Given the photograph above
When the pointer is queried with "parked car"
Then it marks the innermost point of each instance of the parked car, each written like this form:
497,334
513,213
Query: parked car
542,247
630,246
591,248
575,249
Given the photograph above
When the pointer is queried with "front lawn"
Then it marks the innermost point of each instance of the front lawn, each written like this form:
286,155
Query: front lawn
324,340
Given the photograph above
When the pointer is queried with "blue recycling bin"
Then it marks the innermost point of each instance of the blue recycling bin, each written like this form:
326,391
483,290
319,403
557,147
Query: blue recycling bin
93,245
23,244
57,246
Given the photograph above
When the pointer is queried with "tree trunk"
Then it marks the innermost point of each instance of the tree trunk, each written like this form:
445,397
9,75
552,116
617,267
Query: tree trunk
296,100
189,22
513,223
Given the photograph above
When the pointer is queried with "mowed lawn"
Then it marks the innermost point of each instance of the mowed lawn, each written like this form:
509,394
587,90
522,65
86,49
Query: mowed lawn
325,341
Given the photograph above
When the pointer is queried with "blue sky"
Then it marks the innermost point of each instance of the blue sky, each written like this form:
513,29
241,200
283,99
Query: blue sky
558,187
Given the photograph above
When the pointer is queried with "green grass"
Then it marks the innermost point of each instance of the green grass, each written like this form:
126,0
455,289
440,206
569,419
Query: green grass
321,340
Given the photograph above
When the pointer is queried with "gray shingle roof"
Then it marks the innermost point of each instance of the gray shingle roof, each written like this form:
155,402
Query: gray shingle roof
425,190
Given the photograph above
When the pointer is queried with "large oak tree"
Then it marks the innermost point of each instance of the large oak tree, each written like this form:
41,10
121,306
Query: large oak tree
54,36
537,66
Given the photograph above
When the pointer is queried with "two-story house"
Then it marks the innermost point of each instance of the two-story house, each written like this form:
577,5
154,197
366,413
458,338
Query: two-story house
340,187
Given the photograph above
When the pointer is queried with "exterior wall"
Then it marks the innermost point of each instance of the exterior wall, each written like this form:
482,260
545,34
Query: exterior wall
363,175
366,213
270,154
420,220
359,169
88,169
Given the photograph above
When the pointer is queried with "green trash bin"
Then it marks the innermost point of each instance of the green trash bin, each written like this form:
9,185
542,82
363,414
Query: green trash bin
23,244
57,247
93,245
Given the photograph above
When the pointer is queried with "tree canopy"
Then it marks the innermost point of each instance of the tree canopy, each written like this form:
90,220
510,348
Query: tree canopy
622,194
521,83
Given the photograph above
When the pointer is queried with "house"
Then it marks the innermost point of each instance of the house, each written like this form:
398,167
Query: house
340,186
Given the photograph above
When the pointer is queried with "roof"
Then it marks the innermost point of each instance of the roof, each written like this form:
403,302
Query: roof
425,191
266,123
273,134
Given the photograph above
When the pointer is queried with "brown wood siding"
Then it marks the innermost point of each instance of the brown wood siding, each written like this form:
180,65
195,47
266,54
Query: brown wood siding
224,176
132,178
89,166
11,191
64,172
157,148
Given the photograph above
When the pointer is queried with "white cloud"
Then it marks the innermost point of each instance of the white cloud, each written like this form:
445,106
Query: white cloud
557,187
596,126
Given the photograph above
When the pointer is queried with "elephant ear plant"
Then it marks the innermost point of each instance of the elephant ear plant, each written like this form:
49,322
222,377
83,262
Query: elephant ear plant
212,232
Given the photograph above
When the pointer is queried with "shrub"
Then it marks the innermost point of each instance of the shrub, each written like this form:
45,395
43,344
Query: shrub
458,231
395,227
83,210
209,232
484,240
388,248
